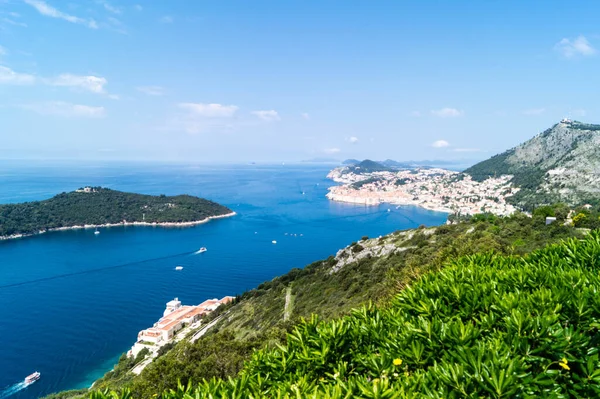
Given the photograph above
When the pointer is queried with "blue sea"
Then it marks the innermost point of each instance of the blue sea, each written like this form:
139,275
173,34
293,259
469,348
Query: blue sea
72,302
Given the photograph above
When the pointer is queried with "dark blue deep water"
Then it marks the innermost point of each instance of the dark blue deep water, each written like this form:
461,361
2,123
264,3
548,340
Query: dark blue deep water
72,302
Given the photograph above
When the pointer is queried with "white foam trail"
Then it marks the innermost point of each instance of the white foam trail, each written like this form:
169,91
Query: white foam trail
13,389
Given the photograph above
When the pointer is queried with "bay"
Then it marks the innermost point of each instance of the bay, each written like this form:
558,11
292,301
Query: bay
71,302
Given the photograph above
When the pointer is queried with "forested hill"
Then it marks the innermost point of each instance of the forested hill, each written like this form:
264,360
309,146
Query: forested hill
561,164
97,205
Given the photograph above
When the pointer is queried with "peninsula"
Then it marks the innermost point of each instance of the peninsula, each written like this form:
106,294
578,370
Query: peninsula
91,207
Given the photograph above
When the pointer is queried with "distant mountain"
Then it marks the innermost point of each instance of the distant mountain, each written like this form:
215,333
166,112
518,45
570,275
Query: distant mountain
368,166
561,164
351,162
395,164
414,164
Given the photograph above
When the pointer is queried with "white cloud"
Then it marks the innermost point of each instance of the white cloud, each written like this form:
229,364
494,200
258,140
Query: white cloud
466,150
353,139
8,76
109,7
440,144
45,9
416,114
151,90
138,7
331,150
90,83
13,22
305,115
209,110
167,19
2,51
268,116
578,46
447,112
67,110
534,111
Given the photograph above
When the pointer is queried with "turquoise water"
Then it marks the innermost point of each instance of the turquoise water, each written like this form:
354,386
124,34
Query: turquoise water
71,302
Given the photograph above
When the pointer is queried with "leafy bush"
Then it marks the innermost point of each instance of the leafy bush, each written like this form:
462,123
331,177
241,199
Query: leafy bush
357,248
487,325
579,219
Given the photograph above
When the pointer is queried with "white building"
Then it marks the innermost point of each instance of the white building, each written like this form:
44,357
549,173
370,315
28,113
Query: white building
175,317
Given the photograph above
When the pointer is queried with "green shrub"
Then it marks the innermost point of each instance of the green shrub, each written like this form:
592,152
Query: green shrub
486,326
357,248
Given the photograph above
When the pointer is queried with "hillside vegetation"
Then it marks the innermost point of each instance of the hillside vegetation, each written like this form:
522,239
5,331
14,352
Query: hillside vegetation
561,164
101,206
487,325
370,270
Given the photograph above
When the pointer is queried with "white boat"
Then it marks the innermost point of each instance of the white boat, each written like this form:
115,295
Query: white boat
274,242
96,232
31,378
203,249
178,267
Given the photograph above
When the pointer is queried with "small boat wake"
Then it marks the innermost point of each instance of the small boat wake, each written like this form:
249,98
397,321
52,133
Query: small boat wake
201,250
13,389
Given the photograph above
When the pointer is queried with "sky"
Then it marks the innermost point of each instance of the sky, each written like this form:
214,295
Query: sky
263,81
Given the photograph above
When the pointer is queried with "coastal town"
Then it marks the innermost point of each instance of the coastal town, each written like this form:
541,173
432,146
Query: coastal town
434,189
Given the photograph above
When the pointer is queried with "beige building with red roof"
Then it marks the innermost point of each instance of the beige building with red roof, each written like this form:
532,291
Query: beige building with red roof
175,317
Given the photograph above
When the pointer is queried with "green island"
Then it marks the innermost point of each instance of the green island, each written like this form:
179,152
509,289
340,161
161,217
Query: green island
494,307
99,206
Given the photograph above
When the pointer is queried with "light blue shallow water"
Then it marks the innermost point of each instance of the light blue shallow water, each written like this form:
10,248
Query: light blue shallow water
72,302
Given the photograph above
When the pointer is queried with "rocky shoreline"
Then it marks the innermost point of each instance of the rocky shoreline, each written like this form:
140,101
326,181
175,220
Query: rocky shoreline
124,223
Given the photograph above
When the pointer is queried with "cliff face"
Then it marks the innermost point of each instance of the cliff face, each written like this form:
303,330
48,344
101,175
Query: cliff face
559,164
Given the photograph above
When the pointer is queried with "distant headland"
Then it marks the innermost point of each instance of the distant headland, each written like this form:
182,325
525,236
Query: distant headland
91,207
